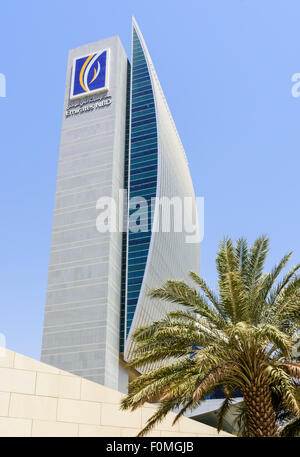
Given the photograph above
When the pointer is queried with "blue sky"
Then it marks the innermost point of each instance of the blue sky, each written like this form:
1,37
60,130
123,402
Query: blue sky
225,68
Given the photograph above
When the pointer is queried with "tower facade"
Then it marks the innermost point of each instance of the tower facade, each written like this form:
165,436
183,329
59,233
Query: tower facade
117,133
82,315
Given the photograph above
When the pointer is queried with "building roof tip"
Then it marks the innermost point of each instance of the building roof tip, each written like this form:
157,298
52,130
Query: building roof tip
134,23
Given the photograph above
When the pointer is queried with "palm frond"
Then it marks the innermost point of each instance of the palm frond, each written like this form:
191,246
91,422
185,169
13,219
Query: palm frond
241,251
256,261
210,382
212,297
223,410
291,429
180,293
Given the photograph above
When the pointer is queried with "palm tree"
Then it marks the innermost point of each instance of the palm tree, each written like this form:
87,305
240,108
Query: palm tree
240,339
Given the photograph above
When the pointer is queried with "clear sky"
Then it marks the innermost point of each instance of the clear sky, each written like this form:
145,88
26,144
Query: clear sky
225,68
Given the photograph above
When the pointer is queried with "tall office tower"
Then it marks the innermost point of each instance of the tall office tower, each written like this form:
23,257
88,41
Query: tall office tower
82,315
117,133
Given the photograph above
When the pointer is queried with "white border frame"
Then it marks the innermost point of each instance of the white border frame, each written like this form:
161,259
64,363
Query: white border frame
95,91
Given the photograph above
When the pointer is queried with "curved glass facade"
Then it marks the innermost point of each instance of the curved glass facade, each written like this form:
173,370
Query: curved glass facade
143,166
158,168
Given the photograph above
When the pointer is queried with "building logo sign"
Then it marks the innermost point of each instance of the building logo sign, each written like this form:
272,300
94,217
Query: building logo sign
90,74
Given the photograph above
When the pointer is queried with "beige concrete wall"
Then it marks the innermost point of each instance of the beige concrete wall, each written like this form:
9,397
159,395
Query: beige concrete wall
39,400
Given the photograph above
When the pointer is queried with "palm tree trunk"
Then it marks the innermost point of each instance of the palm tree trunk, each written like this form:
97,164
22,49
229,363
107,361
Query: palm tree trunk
260,412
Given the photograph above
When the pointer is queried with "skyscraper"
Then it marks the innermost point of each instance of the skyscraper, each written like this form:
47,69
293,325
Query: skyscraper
117,133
